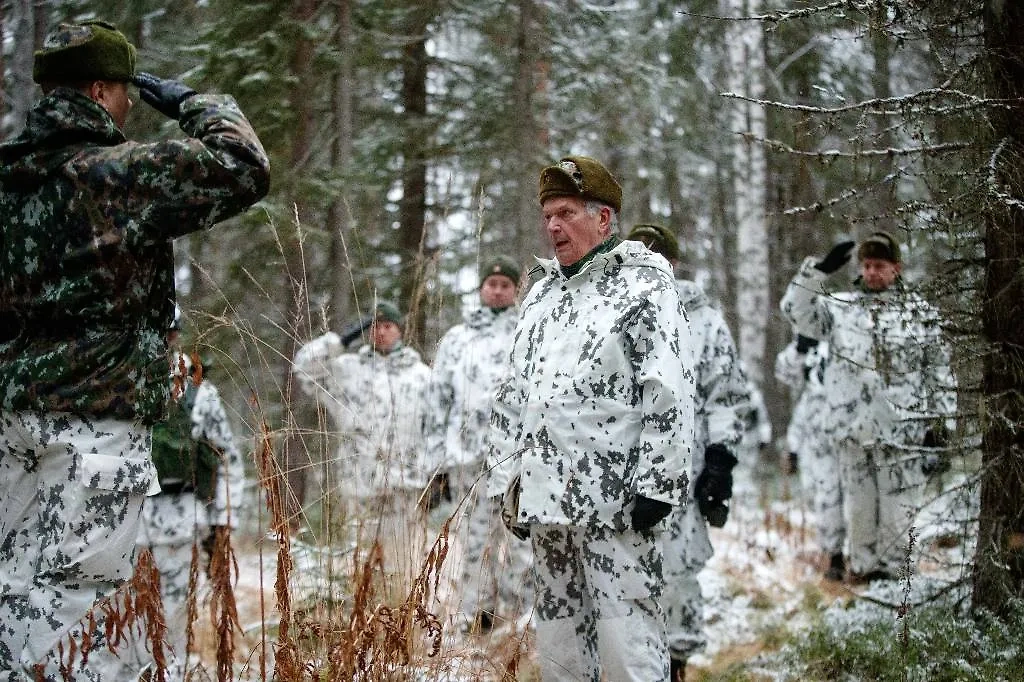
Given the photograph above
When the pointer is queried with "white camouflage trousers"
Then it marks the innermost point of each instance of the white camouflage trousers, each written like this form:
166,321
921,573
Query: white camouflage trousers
597,605
496,570
71,491
821,485
881,488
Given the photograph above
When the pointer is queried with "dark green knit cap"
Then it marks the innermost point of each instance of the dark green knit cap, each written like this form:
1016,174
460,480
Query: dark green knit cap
386,310
90,51
880,245
580,176
657,238
501,265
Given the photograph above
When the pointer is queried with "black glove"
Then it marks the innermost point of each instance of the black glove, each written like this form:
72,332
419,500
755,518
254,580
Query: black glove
437,490
163,95
937,437
354,330
836,258
804,344
647,512
713,487
936,462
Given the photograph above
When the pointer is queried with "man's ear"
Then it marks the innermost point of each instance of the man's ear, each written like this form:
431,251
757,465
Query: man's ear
605,216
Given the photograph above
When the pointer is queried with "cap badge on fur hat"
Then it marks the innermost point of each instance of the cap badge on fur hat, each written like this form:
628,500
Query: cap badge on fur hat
92,50
580,176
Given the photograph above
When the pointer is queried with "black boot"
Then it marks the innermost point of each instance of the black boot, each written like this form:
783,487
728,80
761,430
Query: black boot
678,673
836,568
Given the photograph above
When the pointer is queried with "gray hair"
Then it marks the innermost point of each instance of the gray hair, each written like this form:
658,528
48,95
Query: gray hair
594,207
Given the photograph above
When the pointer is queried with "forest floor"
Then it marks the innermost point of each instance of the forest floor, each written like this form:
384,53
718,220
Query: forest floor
764,584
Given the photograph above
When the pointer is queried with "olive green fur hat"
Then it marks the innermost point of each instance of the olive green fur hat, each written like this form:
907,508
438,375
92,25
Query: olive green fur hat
90,51
657,238
880,245
580,176
500,265
386,310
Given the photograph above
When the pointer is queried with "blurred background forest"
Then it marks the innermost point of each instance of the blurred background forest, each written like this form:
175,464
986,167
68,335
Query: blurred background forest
406,139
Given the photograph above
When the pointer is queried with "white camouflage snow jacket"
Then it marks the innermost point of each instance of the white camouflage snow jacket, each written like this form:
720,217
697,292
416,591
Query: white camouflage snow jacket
471,358
888,376
376,402
598,407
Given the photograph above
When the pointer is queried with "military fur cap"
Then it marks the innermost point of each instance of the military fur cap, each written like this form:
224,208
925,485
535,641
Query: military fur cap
90,51
386,310
500,265
880,245
657,238
580,176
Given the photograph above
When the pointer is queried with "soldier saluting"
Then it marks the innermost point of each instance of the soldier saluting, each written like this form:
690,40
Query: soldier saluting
86,294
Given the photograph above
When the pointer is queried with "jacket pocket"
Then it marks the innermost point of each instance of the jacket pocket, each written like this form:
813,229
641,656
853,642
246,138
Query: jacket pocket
129,475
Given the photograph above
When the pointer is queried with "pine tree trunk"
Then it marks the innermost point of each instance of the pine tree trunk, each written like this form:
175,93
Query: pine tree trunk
412,208
999,560
338,213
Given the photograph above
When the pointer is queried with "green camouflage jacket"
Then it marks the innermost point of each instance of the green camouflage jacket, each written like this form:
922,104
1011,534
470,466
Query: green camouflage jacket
86,268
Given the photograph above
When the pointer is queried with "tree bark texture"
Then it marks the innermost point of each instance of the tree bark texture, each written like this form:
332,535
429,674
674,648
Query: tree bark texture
999,561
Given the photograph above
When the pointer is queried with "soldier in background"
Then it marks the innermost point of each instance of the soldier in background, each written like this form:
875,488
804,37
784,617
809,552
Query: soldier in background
471,358
375,397
889,385
722,401
592,431
811,450
202,477
86,219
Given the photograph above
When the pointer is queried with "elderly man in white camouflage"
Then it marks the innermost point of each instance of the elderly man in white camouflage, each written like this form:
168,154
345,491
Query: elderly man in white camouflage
471,358
375,397
811,446
87,219
593,430
722,402
890,387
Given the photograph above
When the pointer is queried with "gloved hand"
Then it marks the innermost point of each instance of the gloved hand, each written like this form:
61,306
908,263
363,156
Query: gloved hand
713,487
437,490
937,437
804,344
353,330
936,462
647,512
836,258
163,95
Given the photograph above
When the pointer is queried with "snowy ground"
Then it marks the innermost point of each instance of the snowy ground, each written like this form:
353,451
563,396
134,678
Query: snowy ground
764,580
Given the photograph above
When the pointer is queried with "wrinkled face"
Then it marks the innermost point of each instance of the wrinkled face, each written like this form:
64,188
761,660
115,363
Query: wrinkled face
113,96
574,232
498,291
384,334
878,274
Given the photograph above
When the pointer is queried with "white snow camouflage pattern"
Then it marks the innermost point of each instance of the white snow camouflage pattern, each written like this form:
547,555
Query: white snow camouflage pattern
376,402
888,376
810,435
722,401
471,359
598,407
